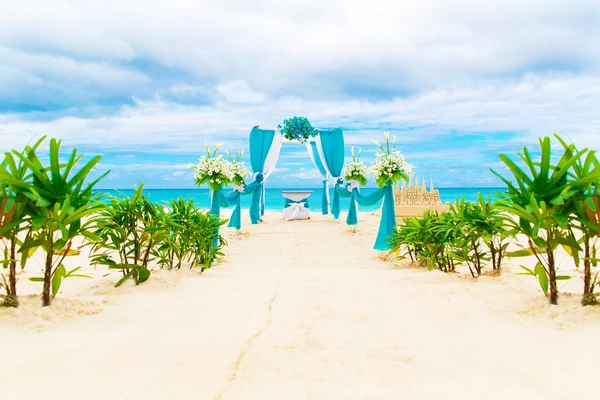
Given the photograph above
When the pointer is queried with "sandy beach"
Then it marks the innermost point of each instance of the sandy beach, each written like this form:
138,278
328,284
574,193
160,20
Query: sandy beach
301,310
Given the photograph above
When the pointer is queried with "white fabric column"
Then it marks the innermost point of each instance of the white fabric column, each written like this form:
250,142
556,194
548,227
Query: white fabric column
312,155
273,155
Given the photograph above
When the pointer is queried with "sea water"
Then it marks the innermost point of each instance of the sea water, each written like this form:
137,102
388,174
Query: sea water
274,200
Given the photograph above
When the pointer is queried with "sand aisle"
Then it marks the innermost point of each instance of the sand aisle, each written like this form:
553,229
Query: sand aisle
306,310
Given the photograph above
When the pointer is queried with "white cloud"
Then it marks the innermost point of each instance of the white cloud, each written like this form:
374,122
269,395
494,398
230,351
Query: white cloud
212,69
564,104
239,92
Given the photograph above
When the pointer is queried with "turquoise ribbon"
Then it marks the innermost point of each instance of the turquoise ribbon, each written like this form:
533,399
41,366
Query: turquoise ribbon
387,224
289,202
335,204
256,189
325,200
233,199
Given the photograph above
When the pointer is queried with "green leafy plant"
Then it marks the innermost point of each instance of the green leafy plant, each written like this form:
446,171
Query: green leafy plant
194,237
58,276
541,198
65,206
133,231
16,211
122,232
470,233
585,218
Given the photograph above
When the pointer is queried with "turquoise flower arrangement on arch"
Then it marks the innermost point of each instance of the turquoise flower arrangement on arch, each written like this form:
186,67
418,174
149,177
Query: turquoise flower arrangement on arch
298,128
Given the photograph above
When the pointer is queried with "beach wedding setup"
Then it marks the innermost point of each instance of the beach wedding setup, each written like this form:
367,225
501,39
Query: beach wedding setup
326,149
310,295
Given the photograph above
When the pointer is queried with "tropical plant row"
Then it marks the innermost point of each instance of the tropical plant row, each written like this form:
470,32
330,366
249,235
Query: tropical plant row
470,233
50,206
553,204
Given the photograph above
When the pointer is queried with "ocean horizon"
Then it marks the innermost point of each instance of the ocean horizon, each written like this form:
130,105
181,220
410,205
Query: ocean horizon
275,200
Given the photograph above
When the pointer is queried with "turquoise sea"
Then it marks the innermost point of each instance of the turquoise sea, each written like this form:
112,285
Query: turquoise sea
275,200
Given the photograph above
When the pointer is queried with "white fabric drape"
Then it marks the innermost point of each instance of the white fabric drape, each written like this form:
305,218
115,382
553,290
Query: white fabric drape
273,154
296,211
312,155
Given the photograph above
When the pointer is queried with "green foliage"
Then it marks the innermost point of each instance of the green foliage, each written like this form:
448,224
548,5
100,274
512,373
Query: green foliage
133,231
58,276
196,239
52,202
126,232
46,205
542,276
65,206
469,233
585,218
16,210
548,200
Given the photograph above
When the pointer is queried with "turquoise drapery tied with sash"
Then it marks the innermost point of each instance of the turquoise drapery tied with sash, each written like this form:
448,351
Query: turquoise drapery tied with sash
260,144
234,199
343,192
387,225
289,202
256,189
323,171
332,145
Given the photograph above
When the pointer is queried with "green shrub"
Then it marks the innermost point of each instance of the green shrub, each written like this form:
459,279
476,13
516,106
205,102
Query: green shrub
469,233
134,231
544,196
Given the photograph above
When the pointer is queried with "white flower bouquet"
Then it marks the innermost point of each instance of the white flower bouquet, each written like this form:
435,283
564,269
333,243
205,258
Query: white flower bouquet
238,169
355,170
213,170
389,164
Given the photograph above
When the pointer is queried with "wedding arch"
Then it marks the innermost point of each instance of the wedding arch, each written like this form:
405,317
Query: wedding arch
326,150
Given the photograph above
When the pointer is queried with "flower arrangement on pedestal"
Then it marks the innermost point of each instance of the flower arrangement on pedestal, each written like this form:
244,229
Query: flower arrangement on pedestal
239,171
298,128
213,170
389,164
355,171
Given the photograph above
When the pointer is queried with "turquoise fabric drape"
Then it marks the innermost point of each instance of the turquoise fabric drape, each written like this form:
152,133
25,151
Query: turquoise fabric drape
215,202
387,225
260,143
215,207
323,172
325,198
289,202
352,217
233,199
332,143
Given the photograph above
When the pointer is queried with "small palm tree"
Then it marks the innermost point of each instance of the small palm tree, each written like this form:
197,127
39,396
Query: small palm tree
65,206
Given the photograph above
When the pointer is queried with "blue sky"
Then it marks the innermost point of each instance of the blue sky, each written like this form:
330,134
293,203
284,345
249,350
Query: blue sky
146,83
